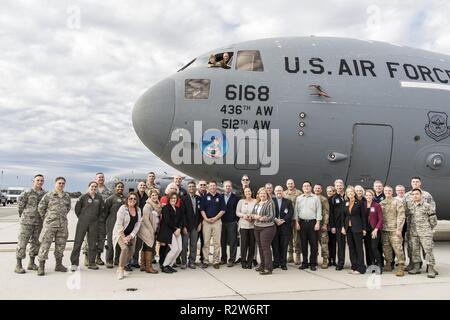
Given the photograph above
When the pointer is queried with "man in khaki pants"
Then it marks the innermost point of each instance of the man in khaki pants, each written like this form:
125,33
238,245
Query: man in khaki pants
212,209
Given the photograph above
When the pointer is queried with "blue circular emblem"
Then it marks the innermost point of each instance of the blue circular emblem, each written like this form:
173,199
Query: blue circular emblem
214,143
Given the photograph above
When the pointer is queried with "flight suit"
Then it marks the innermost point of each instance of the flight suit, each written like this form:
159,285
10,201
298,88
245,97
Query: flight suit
428,198
423,221
101,231
53,209
30,222
294,242
323,234
393,219
88,210
109,215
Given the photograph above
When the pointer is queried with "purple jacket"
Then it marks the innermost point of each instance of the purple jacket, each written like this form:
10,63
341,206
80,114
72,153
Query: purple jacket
375,214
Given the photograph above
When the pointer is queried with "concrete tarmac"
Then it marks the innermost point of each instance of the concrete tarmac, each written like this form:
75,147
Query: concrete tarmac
225,283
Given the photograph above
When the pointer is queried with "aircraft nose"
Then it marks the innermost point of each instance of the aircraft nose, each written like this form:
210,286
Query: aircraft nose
153,115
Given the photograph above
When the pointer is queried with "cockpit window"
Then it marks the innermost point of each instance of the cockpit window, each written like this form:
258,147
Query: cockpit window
220,60
249,60
197,88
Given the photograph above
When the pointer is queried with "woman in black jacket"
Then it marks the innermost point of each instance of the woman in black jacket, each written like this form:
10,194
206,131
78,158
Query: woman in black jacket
170,233
354,226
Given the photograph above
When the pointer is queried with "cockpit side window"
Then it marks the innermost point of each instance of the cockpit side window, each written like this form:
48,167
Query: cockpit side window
197,88
220,60
249,60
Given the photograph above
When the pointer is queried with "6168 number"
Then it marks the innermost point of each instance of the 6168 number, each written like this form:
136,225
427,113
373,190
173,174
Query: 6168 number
248,92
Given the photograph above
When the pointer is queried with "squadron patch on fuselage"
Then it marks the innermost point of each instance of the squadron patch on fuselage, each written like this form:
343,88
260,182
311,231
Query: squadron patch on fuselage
437,127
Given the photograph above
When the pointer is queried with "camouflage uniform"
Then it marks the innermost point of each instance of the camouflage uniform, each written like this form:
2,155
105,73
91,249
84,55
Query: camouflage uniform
151,187
294,243
408,198
393,220
30,222
423,221
324,223
53,209
101,232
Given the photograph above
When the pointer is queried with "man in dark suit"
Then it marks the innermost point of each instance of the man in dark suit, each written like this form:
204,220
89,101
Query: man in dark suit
192,222
337,205
283,219
229,225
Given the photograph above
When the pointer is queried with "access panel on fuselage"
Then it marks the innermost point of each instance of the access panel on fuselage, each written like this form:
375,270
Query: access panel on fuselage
371,154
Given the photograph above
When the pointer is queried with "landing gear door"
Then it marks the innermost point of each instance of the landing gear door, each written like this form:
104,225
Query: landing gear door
371,154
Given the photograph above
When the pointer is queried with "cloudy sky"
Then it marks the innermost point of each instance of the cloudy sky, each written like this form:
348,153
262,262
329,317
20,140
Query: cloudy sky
71,71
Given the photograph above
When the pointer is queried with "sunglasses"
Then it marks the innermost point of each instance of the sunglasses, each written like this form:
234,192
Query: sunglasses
245,180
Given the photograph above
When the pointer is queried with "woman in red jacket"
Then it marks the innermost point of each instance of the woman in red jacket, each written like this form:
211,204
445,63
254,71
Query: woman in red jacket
374,226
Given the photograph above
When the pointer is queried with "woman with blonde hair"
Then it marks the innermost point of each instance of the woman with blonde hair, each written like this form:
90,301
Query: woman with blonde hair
263,215
244,211
147,232
360,196
355,226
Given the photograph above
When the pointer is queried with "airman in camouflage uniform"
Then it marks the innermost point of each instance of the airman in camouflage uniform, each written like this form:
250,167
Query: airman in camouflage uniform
393,220
416,183
30,223
423,221
294,244
104,192
323,232
53,209
151,183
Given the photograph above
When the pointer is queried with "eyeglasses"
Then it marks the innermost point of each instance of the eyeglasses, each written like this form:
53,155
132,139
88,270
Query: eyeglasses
203,185
245,180
133,199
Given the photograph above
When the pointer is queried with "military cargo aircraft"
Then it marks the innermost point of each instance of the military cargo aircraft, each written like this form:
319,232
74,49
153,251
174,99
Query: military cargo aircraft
131,180
308,108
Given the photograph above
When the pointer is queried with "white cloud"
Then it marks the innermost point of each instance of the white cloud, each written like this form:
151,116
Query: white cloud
67,91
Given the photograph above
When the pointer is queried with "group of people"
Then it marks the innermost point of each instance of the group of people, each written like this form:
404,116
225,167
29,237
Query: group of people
274,222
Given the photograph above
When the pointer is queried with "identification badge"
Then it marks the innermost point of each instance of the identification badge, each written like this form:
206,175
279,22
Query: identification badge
208,198
119,200
372,209
90,200
286,211
217,199
338,201
347,204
